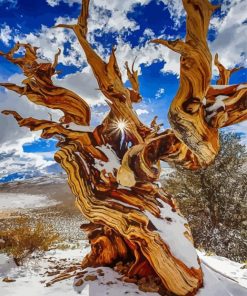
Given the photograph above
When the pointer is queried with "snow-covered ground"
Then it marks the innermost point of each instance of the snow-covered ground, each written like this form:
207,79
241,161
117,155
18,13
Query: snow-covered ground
222,277
13,201
231,269
30,279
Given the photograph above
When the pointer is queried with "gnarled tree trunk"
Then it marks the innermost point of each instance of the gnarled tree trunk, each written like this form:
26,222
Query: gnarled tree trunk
112,170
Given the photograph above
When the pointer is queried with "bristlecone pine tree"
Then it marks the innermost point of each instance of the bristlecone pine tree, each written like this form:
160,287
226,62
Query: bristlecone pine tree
214,199
112,170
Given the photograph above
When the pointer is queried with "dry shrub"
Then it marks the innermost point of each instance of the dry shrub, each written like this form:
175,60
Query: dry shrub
23,239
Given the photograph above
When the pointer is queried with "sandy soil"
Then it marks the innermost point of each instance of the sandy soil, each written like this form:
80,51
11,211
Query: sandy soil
62,213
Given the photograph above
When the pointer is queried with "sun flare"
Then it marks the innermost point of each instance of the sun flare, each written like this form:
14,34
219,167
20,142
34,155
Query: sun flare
119,126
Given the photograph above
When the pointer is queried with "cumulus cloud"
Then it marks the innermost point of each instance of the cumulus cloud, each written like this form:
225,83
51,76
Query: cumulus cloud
146,54
5,34
84,84
231,34
159,93
176,10
112,15
12,137
49,40
53,3
12,101
105,17
141,111
16,162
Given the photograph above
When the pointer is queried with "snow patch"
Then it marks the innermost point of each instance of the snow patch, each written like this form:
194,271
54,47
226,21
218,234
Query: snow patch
14,201
241,86
123,187
42,61
113,160
232,270
109,285
124,204
217,285
216,86
171,228
6,264
83,161
219,102
78,128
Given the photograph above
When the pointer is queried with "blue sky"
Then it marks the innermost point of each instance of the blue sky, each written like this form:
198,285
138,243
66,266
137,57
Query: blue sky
129,25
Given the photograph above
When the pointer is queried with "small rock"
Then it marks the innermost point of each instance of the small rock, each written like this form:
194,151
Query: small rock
148,287
129,280
109,283
79,283
100,272
8,280
80,274
90,277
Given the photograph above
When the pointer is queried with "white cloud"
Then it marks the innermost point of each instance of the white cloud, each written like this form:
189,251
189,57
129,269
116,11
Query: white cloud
148,34
53,3
231,34
141,111
159,93
84,84
15,161
49,40
5,34
110,14
147,54
12,137
11,101
176,10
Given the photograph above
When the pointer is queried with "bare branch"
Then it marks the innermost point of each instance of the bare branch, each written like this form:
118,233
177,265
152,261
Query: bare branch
178,46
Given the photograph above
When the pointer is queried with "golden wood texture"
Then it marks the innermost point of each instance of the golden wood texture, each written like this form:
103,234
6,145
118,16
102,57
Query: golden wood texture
113,170
39,88
186,113
225,105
